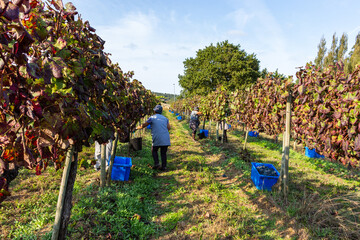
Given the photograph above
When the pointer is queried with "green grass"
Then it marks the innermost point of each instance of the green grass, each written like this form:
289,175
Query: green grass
205,194
311,182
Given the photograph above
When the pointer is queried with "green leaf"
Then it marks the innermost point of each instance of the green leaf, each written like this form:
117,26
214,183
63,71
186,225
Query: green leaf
23,71
78,68
64,53
340,88
60,43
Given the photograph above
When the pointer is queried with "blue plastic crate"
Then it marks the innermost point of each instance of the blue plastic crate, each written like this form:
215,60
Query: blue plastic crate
148,126
206,132
253,134
121,168
179,118
311,153
263,182
176,114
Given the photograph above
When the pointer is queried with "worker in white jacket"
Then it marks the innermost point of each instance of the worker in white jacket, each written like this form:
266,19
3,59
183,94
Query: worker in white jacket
98,153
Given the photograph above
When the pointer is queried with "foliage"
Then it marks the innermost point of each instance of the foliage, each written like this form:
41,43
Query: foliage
186,104
206,106
327,111
330,58
215,105
319,60
165,97
138,102
58,87
342,48
337,53
262,107
219,102
354,58
224,64
325,107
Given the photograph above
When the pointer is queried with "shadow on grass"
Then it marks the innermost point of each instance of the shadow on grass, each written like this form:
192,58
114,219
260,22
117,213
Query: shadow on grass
306,193
125,210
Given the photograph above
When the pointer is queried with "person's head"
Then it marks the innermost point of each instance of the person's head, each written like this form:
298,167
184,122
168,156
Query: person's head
158,109
196,108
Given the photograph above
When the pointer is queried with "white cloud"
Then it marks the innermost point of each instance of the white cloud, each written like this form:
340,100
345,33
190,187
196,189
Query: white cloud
240,17
236,33
138,43
258,31
131,46
132,30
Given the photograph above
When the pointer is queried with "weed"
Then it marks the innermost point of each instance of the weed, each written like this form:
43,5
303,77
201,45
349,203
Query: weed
171,219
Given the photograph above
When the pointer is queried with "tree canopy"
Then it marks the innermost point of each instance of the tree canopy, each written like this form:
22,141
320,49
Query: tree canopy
354,55
319,60
338,53
224,64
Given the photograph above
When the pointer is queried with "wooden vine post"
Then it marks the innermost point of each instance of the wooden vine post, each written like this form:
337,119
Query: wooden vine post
246,137
62,192
113,153
103,165
217,131
284,176
209,128
223,139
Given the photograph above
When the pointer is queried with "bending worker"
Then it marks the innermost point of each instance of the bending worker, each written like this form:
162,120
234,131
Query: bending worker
194,121
160,136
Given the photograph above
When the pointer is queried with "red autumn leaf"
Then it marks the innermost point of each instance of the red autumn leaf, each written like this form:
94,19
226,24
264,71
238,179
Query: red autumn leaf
38,170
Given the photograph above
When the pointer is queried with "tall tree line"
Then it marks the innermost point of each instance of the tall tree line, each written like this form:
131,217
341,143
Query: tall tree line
337,52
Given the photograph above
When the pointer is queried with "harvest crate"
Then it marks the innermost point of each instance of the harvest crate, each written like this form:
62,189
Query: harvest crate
179,117
206,132
121,169
311,153
253,134
263,182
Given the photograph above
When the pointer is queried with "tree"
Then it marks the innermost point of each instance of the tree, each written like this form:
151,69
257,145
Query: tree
264,73
342,48
224,64
330,59
354,55
319,60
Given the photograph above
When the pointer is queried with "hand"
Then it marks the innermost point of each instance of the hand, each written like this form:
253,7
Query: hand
138,127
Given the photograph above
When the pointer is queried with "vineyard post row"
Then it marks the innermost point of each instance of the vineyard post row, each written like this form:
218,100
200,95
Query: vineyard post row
325,109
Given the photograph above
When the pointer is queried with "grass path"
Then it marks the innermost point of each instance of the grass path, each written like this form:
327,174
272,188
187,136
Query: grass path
214,197
205,194
217,200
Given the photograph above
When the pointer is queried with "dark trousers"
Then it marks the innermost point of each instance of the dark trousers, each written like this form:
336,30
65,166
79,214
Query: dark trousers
163,150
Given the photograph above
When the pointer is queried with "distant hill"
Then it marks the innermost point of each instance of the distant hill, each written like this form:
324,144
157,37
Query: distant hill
166,96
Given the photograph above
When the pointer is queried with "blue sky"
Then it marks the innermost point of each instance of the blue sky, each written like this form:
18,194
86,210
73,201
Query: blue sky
154,37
